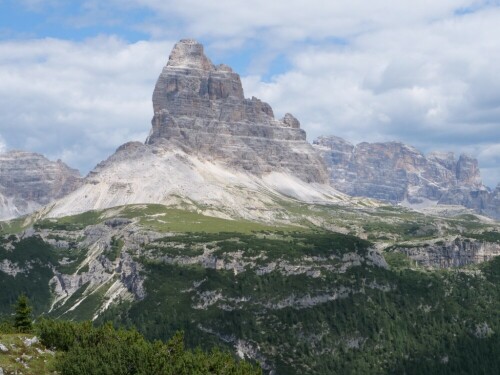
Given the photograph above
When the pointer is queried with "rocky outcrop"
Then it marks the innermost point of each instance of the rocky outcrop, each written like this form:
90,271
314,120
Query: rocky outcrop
29,181
452,253
201,108
12,269
483,201
396,172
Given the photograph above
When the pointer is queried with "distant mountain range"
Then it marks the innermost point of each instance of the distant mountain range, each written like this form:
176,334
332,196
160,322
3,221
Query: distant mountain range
399,173
29,181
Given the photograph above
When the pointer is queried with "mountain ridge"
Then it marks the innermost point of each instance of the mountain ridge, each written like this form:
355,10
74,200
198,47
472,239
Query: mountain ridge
29,181
399,173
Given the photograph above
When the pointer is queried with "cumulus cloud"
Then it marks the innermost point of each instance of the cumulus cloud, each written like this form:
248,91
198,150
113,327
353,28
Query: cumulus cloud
77,101
294,20
420,72
424,73
431,85
3,145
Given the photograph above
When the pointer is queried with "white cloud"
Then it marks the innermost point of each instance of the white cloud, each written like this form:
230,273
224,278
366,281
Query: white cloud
432,85
421,72
294,19
277,26
77,101
3,145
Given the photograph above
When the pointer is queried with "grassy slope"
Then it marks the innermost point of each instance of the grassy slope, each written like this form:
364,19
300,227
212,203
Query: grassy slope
151,216
25,359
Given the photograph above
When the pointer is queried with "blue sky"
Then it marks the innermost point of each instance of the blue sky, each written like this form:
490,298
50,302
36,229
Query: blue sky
73,20
76,77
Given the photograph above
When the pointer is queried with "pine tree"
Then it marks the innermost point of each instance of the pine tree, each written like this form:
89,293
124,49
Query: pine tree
22,319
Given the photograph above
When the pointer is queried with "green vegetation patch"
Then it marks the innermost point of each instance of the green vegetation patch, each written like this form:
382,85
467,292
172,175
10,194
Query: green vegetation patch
266,244
85,349
71,223
22,357
70,259
405,230
115,248
164,219
13,226
90,304
31,259
488,236
398,260
62,307
467,217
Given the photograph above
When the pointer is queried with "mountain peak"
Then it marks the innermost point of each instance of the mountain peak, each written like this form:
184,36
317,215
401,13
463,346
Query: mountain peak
188,53
396,172
201,109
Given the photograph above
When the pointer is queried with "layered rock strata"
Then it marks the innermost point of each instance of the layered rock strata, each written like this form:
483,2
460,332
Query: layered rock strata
200,108
396,172
29,181
453,253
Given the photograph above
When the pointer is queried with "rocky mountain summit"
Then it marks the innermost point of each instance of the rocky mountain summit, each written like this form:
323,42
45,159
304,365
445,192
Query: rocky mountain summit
29,181
201,108
396,172
208,146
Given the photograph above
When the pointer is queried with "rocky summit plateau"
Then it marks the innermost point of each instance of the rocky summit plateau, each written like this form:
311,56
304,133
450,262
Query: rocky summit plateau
399,173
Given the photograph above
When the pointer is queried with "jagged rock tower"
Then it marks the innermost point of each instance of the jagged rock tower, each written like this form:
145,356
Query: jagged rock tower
201,108
208,147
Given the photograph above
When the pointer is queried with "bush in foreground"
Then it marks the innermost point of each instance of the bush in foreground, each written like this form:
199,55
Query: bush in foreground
104,350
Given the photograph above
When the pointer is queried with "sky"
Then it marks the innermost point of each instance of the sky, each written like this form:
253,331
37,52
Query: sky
76,77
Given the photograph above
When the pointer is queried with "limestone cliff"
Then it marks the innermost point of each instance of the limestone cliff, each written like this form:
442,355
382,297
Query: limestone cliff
457,252
395,172
29,181
201,108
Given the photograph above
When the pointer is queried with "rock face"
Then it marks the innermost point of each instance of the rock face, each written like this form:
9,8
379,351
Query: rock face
120,273
29,181
482,200
455,253
396,172
201,108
